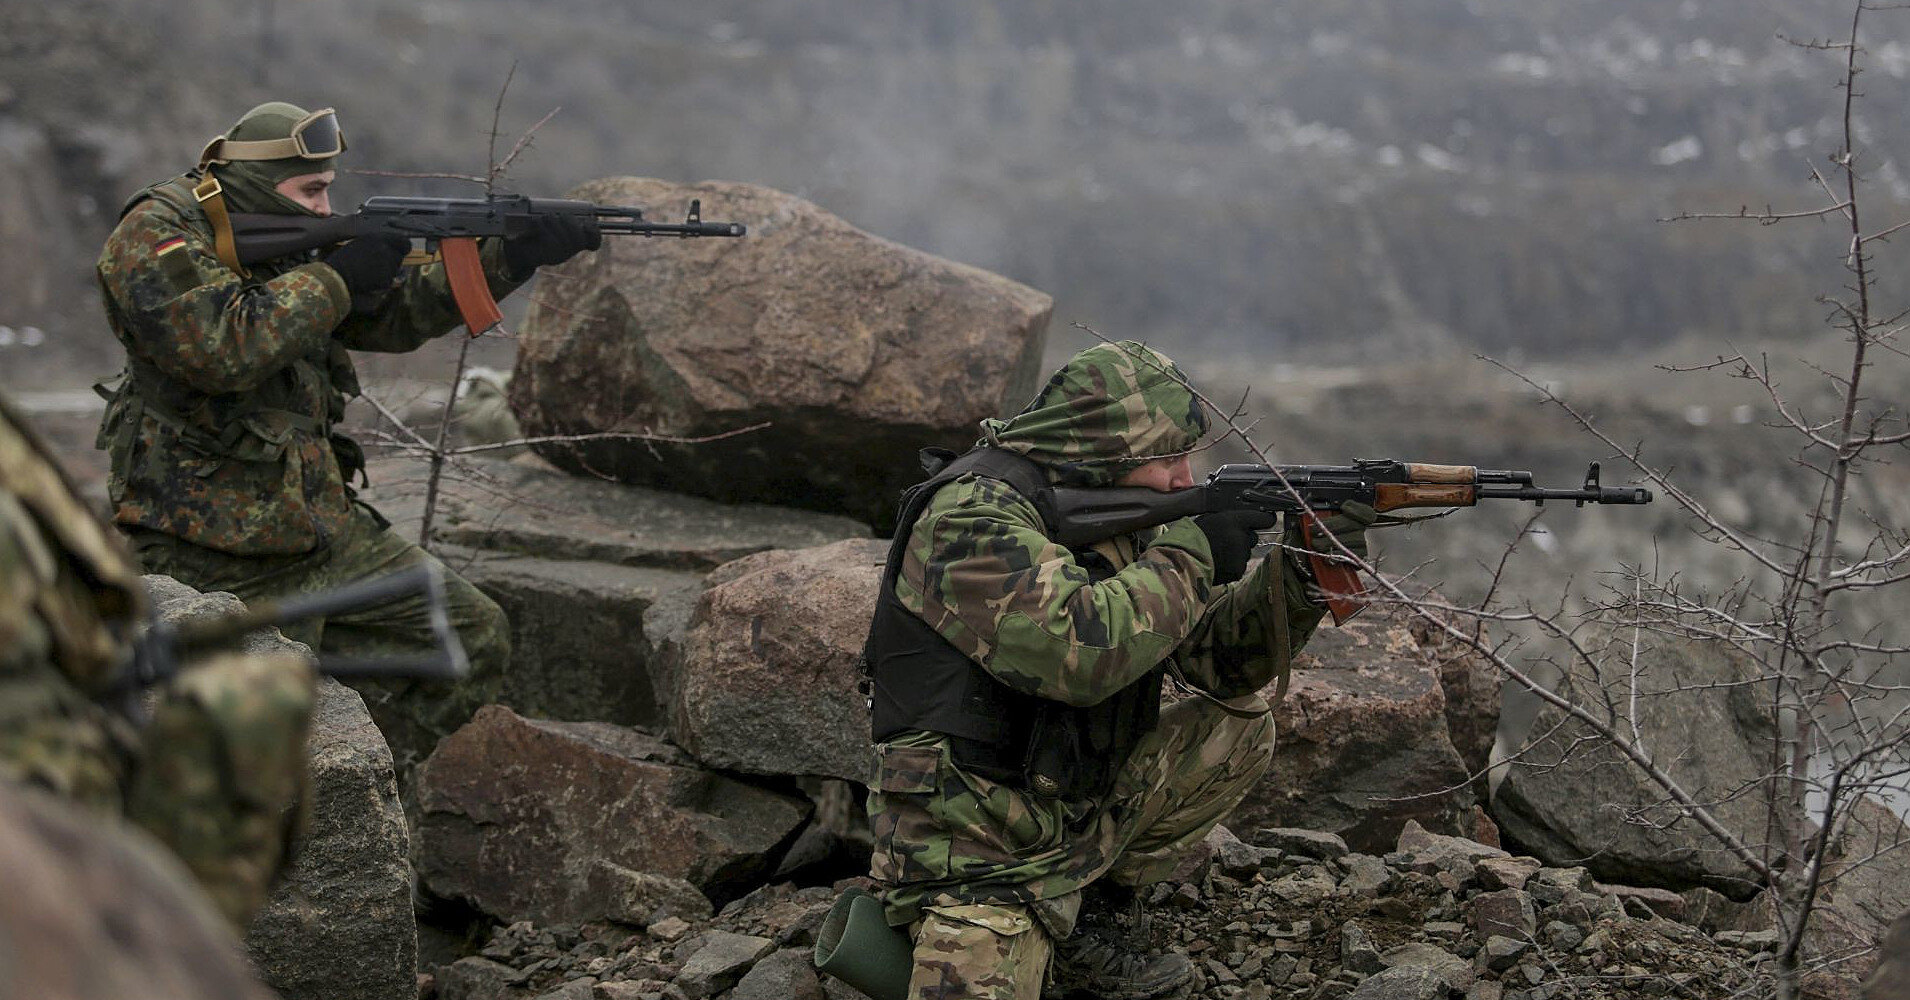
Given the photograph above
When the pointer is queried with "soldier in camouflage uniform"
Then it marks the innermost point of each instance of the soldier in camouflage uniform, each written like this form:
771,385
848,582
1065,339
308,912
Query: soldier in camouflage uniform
987,871
218,773
228,471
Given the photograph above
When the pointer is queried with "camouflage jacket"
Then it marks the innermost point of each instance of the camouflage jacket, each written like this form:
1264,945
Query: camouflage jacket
223,430
981,571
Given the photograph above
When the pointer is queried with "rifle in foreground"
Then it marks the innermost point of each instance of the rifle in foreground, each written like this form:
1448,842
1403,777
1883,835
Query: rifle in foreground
452,226
166,646
1079,516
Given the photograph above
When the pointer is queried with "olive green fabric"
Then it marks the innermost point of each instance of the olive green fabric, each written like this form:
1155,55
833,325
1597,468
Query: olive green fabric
980,571
219,773
1185,776
412,714
252,185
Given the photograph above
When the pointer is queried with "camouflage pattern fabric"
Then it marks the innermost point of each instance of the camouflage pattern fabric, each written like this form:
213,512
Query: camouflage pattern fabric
219,774
224,433
412,714
1180,781
980,571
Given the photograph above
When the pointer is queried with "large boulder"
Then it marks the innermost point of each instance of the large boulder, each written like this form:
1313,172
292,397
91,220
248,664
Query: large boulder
831,335
519,815
1891,979
1867,883
1364,740
1570,799
768,678
340,925
95,909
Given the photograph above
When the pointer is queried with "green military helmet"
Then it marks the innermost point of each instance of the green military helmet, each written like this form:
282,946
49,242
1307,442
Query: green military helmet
1111,408
270,144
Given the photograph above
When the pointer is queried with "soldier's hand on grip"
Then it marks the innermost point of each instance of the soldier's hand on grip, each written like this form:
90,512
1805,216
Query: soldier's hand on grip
1232,534
552,239
369,264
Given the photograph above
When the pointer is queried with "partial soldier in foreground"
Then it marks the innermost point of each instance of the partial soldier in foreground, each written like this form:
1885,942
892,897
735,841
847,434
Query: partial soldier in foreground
1025,766
217,772
227,468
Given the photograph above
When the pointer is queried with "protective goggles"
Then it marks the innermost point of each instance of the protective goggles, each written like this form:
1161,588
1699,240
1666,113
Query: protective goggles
315,137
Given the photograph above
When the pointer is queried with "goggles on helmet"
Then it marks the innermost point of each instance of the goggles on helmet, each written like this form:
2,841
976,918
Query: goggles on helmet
315,137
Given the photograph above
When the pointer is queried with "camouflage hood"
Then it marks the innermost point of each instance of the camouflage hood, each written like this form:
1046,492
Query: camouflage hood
1109,409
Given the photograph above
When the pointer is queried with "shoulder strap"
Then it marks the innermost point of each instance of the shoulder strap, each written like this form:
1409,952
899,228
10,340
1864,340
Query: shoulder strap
197,192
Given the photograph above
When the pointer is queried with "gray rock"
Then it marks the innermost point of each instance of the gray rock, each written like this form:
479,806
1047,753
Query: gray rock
1303,842
1870,866
1502,953
1891,979
768,680
1364,739
476,978
640,898
340,924
579,651
1402,983
1456,971
1563,936
517,810
721,961
1572,800
1415,840
827,333
529,508
576,989
1749,940
1496,873
1507,913
1237,859
93,909
1366,875
1357,952
1553,885
789,974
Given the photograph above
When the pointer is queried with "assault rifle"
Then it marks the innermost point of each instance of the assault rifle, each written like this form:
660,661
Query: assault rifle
452,226
1079,516
165,646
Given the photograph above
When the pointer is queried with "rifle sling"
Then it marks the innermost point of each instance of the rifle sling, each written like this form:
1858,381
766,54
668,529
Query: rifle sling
211,198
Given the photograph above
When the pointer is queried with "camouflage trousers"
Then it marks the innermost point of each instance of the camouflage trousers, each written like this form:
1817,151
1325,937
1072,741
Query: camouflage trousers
1186,775
413,715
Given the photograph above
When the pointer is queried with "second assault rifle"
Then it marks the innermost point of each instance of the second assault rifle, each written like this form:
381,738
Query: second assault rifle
1080,516
452,226
162,650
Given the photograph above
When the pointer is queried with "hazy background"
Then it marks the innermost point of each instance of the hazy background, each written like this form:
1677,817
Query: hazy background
1335,204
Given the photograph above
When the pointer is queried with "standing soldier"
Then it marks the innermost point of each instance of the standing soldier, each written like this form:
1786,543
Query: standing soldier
1023,755
227,468
217,774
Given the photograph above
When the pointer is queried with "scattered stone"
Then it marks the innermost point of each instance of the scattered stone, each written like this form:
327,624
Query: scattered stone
786,975
1507,913
1502,953
475,978
1357,952
1415,840
1456,971
640,898
1662,902
720,962
1749,940
1563,936
1403,983
1496,873
669,928
1365,875
1237,859
1307,843
1549,886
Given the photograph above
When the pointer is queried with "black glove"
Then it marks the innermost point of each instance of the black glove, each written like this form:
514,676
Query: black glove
1232,534
369,264
1348,525
551,239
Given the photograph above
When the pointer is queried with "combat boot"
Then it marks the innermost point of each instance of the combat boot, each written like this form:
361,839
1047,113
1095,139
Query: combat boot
1106,957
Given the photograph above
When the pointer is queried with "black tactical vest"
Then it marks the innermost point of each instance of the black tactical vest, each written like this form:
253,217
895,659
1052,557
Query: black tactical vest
922,682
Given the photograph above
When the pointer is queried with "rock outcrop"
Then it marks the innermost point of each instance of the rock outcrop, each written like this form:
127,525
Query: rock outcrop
1568,800
95,909
520,815
857,352
338,926
768,678
1365,743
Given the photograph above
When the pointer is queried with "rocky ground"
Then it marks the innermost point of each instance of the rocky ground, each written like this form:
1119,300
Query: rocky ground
1286,913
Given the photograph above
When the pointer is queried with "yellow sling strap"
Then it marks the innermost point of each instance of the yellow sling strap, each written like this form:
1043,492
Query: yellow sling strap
211,198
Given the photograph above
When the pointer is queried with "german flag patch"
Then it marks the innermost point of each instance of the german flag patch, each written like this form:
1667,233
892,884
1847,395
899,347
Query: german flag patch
164,247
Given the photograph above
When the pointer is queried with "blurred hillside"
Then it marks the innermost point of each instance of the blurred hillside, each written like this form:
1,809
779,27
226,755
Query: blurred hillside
1339,178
